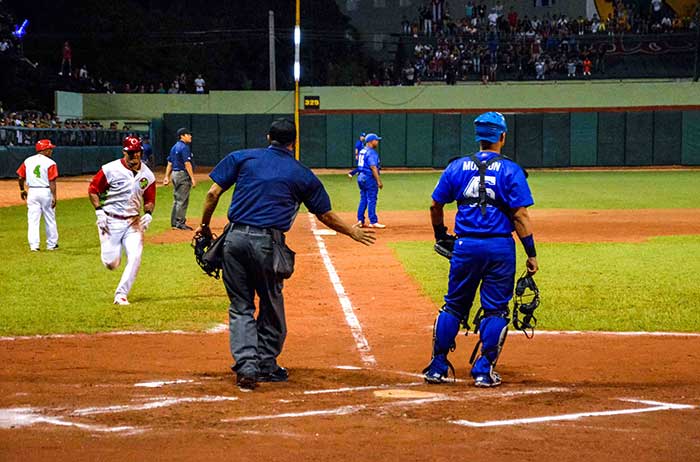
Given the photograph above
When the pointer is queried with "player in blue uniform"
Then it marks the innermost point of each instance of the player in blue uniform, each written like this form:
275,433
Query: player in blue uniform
358,147
492,195
369,182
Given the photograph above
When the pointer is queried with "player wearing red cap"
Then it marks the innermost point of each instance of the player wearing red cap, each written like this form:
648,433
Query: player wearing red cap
38,173
117,192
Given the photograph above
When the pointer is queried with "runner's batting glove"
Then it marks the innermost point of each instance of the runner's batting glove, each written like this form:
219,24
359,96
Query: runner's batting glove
146,220
102,221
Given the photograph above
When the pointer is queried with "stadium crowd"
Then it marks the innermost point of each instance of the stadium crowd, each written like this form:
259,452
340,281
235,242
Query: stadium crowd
487,42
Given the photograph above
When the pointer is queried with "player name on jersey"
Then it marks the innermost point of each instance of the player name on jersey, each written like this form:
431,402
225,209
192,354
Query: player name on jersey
470,165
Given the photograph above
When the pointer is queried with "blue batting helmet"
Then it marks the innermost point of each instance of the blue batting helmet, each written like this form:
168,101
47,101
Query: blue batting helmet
489,126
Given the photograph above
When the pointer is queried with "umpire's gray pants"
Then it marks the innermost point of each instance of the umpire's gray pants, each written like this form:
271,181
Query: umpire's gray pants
255,344
181,198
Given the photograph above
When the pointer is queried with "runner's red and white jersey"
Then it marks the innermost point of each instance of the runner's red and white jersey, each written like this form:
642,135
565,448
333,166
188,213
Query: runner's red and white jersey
126,190
38,170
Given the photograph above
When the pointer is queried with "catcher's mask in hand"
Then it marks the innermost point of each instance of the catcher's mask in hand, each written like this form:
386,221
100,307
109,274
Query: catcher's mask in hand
526,300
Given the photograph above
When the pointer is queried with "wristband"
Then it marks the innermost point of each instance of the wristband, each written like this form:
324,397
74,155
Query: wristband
150,213
98,207
529,245
440,232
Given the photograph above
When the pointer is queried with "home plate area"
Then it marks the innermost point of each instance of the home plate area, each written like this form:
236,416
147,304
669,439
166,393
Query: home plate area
177,404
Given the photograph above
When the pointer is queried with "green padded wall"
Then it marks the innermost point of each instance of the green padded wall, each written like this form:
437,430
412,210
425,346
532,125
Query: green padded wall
419,140
171,124
340,141
611,138
256,128
156,134
466,135
556,142
205,139
528,134
312,134
367,123
583,136
691,138
668,130
231,133
511,138
392,147
94,157
639,138
446,141
11,157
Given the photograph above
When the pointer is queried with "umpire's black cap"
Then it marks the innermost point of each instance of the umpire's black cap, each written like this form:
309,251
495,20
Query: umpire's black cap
283,131
183,131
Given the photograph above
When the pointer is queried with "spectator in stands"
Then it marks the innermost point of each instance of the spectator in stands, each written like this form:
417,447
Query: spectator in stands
199,84
161,88
67,59
83,73
587,67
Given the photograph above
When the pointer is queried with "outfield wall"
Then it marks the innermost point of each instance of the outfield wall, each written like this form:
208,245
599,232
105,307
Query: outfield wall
551,124
69,159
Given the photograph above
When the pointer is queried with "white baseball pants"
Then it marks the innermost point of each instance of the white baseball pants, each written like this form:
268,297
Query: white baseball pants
38,204
124,234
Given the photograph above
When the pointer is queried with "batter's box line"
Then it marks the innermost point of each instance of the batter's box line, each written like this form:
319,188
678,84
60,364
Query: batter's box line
654,406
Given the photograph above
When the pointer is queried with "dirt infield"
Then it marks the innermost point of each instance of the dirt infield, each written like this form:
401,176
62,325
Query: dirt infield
170,396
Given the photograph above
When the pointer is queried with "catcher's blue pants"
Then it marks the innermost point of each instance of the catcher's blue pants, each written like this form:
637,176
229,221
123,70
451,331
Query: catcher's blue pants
489,262
369,190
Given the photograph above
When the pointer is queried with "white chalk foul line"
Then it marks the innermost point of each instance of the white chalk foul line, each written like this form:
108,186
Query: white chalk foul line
343,410
25,417
154,404
159,384
350,317
654,406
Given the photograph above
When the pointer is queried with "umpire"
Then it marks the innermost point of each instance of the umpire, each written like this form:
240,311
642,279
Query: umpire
492,197
270,186
180,166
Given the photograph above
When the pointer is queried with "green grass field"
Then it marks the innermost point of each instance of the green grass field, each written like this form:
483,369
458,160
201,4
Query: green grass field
647,286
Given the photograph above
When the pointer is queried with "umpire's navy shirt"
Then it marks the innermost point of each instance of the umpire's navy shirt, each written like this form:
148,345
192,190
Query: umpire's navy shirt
270,185
179,154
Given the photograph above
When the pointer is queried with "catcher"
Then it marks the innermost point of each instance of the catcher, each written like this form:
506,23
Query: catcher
492,196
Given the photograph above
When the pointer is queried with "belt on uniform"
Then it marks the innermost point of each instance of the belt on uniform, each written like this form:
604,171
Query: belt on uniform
250,228
120,217
483,236
39,186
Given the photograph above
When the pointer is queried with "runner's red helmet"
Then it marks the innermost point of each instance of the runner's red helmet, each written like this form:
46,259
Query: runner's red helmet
43,145
132,144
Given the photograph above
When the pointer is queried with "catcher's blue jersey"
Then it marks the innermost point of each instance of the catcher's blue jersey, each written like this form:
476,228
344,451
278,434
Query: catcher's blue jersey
505,183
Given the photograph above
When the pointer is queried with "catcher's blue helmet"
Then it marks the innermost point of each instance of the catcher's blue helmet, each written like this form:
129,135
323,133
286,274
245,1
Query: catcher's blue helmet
489,126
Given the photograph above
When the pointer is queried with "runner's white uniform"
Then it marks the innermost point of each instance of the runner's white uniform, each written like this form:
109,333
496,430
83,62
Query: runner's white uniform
38,171
126,191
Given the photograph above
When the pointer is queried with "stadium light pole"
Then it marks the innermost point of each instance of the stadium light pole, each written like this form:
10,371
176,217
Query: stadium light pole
297,72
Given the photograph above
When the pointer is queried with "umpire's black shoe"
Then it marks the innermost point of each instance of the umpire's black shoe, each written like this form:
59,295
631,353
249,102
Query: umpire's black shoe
278,375
246,382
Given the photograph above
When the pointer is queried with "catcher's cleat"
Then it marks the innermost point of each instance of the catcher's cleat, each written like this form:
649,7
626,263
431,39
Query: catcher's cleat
438,370
377,225
487,380
121,300
278,375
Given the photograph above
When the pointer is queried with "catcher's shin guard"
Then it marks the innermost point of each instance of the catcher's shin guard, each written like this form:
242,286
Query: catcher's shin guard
444,332
492,333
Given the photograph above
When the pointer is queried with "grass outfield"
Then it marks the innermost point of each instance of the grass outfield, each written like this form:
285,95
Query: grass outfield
648,286
585,286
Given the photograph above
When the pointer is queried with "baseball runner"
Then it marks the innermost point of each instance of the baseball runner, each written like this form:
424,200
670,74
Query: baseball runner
39,173
492,197
125,184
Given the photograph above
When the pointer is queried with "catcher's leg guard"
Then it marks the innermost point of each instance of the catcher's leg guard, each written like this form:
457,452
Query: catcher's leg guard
493,329
444,333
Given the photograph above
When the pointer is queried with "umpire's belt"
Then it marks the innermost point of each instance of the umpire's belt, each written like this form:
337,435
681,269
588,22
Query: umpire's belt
120,217
483,235
277,235
251,229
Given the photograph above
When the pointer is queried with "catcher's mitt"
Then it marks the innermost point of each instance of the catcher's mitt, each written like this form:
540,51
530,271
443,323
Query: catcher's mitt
208,251
526,300
445,246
